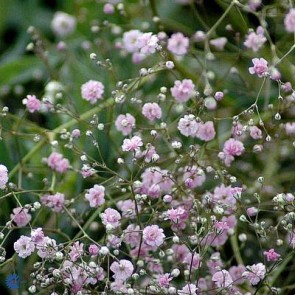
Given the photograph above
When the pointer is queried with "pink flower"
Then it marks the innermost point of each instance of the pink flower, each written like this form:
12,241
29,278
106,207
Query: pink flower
254,4
219,95
122,270
290,128
95,196
93,250
164,280
63,24
20,216
255,132
132,235
147,43
153,236
193,260
111,216
256,40
57,162
87,171
128,208
152,111
132,144
76,133
206,131
37,235
260,67
188,126
183,90
222,279
193,177
255,273
189,289
125,123
233,147
3,176
56,201
108,8
92,91
24,247
178,44
130,40
47,248
76,251
32,103
289,21
271,255
218,43
236,274
252,211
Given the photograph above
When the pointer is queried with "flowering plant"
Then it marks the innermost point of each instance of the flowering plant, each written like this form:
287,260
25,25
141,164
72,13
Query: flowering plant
157,155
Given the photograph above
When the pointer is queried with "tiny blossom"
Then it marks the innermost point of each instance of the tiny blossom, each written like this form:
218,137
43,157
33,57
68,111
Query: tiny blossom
193,177
164,280
255,41
271,255
153,235
183,90
63,24
93,250
147,43
20,216
236,274
219,95
189,289
132,144
128,208
87,171
231,148
290,128
178,44
255,273
47,248
254,4
132,235
193,260
188,126
289,21
111,216
222,279
130,40
255,132
76,133
95,196
218,43
252,211
76,251
32,103
57,162
206,131
122,270
125,123
24,246
56,201
3,176
199,36
152,111
92,91
260,67
37,235
108,8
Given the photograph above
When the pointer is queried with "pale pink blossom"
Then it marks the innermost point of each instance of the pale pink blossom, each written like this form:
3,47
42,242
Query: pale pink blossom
132,144
164,280
254,4
153,236
93,250
183,90
57,162
188,126
122,269
132,235
178,44
108,8
255,132
259,68
3,176
76,251
63,24
125,123
147,43
24,247
32,103
271,255
130,40
289,21
236,274
112,217
95,196
219,95
87,171
193,260
189,289
193,176
233,147
56,201
290,128
47,248
255,273
92,91
222,279
255,40
37,235
152,111
206,131
20,216
218,43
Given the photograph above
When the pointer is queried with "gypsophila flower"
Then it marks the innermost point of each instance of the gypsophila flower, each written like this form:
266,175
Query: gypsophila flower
24,247
92,91
189,289
130,40
164,280
56,201
37,235
178,44
222,279
271,255
132,144
125,123
20,216
218,43
3,176
153,235
289,21
206,131
255,273
255,40
147,43
32,103
95,196
290,128
188,126
183,90
63,24
260,67
122,269
255,132
111,216
76,251
47,248
57,162
152,111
